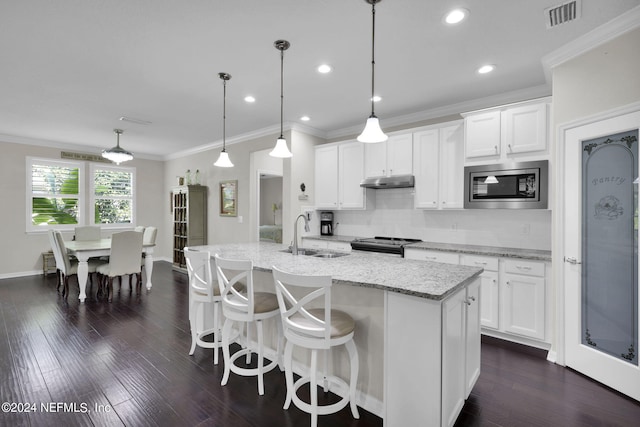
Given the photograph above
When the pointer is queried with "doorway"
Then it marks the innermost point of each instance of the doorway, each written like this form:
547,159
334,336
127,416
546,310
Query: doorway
270,208
600,250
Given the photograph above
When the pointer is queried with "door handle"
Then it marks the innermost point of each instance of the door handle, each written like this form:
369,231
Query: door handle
571,260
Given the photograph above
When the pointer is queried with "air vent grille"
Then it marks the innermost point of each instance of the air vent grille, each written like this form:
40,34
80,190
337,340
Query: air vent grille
563,13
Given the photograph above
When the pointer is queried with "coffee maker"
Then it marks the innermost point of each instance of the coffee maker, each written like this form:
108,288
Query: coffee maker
326,223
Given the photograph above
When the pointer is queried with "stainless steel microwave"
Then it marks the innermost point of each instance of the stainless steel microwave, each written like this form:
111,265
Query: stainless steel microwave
516,185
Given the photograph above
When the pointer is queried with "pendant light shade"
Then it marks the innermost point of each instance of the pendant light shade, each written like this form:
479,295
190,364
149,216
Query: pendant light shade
281,149
116,154
224,161
372,131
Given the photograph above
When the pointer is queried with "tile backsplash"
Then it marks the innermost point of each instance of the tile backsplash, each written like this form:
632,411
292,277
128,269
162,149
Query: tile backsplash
391,213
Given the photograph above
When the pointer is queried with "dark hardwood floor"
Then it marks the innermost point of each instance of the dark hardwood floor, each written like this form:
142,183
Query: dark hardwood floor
126,363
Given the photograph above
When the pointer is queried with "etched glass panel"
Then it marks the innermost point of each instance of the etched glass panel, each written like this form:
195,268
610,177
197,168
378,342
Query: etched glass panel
610,245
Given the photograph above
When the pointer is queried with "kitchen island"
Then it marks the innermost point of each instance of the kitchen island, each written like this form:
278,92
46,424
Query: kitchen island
417,326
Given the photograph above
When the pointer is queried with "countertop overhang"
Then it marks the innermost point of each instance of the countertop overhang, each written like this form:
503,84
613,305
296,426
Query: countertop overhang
388,272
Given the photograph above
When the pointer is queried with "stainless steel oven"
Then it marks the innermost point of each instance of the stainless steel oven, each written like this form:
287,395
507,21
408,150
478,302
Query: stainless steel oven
522,185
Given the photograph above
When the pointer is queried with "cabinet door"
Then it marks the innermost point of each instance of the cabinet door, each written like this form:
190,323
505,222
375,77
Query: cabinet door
351,173
400,155
490,301
482,134
426,167
524,129
472,369
453,356
524,305
452,169
326,177
375,159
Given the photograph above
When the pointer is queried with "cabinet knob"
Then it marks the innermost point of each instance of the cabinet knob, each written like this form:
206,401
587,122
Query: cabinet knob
444,203
495,147
508,282
509,145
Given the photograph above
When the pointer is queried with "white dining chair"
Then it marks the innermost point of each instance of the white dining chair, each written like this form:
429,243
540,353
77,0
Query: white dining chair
67,266
88,232
204,297
245,307
124,260
148,238
309,322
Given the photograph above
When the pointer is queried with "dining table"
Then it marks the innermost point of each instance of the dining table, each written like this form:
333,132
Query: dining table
85,249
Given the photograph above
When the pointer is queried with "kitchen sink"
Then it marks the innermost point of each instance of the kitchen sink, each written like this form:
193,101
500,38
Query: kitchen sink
317,254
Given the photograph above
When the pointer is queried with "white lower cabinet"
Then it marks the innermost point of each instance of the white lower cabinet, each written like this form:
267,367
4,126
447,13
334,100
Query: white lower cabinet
489,288
513,303
434,387
460,350
524,298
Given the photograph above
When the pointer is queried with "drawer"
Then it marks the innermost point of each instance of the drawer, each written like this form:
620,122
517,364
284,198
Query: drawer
488,263
528,268
435,256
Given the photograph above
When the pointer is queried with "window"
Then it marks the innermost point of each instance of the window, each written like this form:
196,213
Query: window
57,196
54,193
112,195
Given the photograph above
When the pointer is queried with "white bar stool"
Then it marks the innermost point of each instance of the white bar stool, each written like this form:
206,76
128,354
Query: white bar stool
240,303
203,294
315,329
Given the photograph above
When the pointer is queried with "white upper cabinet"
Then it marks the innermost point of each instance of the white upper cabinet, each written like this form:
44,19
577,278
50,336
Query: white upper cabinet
438,165
326,176
339,169
393,157
508,132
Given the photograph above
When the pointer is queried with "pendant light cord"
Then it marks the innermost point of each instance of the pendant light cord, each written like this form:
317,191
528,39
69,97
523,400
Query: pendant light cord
281,91
224,114
373,50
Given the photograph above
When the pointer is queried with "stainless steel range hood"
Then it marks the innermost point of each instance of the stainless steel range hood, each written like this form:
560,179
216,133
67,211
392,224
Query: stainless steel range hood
399,181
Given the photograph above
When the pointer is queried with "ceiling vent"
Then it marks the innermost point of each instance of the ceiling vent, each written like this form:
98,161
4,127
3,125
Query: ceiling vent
563,13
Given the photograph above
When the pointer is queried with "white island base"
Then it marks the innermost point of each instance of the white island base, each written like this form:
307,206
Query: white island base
432,357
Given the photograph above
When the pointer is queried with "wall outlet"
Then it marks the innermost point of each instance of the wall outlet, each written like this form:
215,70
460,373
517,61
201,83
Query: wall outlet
240,219
454,226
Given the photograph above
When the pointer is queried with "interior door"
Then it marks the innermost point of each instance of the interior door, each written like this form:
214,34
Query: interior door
601,251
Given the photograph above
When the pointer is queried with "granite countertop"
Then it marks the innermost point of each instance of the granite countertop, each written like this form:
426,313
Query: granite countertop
532,254
389,272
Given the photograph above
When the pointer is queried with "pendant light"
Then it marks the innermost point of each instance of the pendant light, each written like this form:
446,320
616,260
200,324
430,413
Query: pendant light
281,149
224,161
117,154
372,131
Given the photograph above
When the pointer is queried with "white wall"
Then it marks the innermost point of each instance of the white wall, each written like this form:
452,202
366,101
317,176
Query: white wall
23,255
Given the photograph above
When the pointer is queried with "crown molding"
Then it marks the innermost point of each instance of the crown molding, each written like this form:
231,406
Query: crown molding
459,108
604,33
15,139
259,133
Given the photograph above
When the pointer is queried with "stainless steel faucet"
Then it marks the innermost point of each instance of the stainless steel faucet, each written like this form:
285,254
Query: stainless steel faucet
294,249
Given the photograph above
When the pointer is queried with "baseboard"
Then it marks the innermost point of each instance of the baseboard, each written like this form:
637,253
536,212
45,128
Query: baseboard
21,274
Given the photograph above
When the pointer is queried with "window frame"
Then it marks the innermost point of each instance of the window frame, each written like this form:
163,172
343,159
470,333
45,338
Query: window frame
31,161
93,167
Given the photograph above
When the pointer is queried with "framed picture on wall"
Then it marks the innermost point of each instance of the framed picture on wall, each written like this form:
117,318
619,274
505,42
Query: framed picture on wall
229,198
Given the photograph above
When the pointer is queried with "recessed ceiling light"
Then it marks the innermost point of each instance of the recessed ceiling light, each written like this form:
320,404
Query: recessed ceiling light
377,98
324,69
305,118
249,99
486,69
456,16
